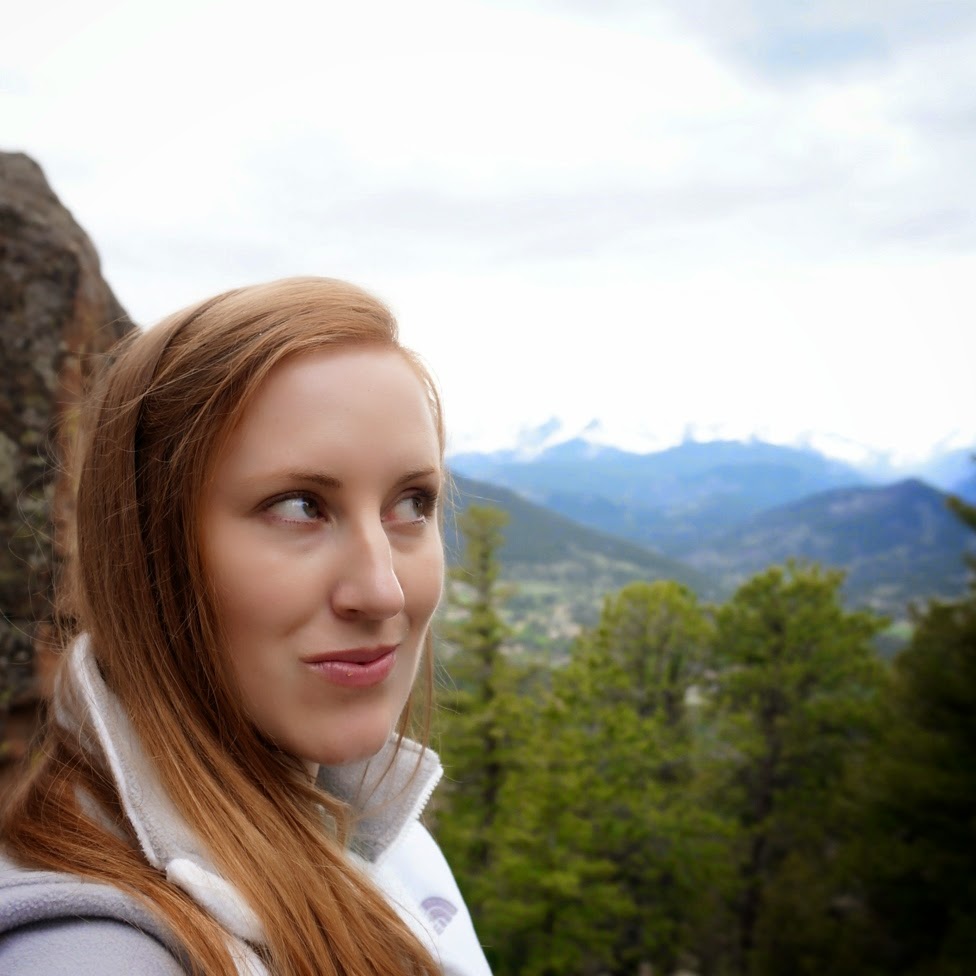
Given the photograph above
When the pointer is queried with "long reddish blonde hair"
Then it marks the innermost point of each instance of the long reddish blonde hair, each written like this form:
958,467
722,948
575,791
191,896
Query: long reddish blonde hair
136,585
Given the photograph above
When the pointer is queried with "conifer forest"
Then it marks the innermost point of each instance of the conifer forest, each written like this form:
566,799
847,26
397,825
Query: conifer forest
743,789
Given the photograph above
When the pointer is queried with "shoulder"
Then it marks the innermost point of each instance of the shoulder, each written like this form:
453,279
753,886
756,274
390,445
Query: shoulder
418,859
84,947
53,924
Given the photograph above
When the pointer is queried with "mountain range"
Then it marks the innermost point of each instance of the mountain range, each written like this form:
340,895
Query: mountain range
666,500
945,464
711,514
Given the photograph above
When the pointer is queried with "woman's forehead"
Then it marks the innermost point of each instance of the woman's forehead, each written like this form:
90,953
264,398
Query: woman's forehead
337,406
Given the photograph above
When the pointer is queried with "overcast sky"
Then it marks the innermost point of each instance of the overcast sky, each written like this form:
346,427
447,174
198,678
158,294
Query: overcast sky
729,217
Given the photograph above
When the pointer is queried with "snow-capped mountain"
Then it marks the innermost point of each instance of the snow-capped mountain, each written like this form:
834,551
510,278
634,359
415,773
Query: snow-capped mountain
529,441
946,466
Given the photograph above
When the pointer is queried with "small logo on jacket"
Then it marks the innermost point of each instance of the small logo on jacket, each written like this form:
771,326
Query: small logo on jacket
440,912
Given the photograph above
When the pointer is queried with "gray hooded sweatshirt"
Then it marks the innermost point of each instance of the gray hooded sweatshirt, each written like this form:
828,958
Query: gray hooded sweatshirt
54,924
60,925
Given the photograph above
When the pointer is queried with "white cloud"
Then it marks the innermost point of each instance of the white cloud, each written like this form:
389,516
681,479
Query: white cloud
612,210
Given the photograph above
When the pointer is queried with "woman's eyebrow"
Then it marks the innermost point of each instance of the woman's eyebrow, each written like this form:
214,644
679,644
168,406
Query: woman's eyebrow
333,484
322,480
418,474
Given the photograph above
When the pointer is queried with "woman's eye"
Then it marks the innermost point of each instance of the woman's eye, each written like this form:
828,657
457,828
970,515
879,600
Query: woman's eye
413,508
298,508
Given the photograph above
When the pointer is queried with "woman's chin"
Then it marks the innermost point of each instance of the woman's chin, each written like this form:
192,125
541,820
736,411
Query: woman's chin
356,748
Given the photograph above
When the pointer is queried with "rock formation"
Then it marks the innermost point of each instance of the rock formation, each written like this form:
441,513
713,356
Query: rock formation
57,315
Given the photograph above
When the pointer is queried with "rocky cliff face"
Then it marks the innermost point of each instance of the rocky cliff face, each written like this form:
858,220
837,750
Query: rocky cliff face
57,315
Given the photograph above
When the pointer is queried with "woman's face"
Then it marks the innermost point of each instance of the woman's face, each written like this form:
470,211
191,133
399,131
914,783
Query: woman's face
319,531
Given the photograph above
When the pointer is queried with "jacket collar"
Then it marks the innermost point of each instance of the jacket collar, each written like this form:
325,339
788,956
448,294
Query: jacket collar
386,793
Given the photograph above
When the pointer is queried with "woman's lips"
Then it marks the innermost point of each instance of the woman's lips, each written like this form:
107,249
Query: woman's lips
357,667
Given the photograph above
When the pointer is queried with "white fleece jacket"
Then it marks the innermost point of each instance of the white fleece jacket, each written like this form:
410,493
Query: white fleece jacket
52,925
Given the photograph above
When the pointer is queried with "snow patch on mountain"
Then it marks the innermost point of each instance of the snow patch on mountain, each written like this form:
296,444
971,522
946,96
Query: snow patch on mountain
526,442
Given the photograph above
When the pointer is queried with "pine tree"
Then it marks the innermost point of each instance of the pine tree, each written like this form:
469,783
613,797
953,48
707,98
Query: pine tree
796,694
482,719
477,638
920,872
658,634
657,639
609,852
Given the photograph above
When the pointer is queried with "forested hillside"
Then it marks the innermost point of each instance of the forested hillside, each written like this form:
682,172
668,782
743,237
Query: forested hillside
562,570
745,789
896,543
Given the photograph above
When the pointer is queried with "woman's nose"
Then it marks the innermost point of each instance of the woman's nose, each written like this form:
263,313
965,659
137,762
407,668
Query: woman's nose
367,585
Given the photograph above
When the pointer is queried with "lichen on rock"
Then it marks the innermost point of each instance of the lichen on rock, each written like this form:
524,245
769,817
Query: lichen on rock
57,315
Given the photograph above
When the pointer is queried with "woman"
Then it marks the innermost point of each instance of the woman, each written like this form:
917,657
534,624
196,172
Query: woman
224,786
